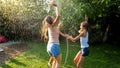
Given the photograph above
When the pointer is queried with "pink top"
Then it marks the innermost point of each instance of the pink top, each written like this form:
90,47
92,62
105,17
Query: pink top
53,33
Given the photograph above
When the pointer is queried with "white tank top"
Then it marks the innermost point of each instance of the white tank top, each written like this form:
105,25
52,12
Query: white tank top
53,34
84,41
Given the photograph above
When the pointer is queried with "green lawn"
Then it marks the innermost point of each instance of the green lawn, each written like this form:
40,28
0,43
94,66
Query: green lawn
101,56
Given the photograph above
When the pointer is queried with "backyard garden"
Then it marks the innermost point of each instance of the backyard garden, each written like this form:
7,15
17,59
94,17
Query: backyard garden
23,46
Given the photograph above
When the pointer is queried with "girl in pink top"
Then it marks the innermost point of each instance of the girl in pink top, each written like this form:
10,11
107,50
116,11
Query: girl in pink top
49,25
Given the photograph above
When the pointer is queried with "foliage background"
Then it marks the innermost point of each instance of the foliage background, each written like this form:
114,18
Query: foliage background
21,19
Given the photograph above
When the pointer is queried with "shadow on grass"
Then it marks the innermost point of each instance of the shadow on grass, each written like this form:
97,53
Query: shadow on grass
10,52
13,61
103,56
6,66
17,62
39,50
3,58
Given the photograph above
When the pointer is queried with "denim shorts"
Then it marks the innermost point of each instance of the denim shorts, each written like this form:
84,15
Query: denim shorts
85,51
53,50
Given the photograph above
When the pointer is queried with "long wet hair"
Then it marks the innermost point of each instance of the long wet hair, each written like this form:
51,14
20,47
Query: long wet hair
44,28
85,23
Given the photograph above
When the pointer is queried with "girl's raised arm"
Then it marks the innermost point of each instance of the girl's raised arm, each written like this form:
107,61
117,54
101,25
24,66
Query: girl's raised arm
57,13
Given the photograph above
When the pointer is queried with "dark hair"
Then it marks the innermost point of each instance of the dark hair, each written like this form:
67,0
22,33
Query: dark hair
86,25
49,20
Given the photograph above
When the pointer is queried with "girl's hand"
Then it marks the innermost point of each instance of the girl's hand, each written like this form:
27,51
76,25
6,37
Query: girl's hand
69,37
52,3
79,31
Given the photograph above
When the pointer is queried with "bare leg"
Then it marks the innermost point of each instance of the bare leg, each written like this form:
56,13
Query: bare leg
54,62
80,62
77,57
58,61
50,60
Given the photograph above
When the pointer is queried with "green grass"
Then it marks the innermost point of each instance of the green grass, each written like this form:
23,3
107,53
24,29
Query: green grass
101,56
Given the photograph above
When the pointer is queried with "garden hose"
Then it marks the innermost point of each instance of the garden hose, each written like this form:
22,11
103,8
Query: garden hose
66,52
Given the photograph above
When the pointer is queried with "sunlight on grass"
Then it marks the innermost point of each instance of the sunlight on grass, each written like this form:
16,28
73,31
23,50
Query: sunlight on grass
27,62
100,57
30,59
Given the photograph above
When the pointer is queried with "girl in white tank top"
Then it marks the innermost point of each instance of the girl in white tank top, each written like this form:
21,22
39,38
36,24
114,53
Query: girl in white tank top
83,36
84,41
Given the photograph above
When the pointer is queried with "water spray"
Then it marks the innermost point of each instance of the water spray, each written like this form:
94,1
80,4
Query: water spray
48,9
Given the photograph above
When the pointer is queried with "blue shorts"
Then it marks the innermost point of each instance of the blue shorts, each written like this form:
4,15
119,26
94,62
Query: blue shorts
53,50
85,51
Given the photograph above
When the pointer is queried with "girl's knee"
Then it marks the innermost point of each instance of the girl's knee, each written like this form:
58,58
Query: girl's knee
75,60
59,59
